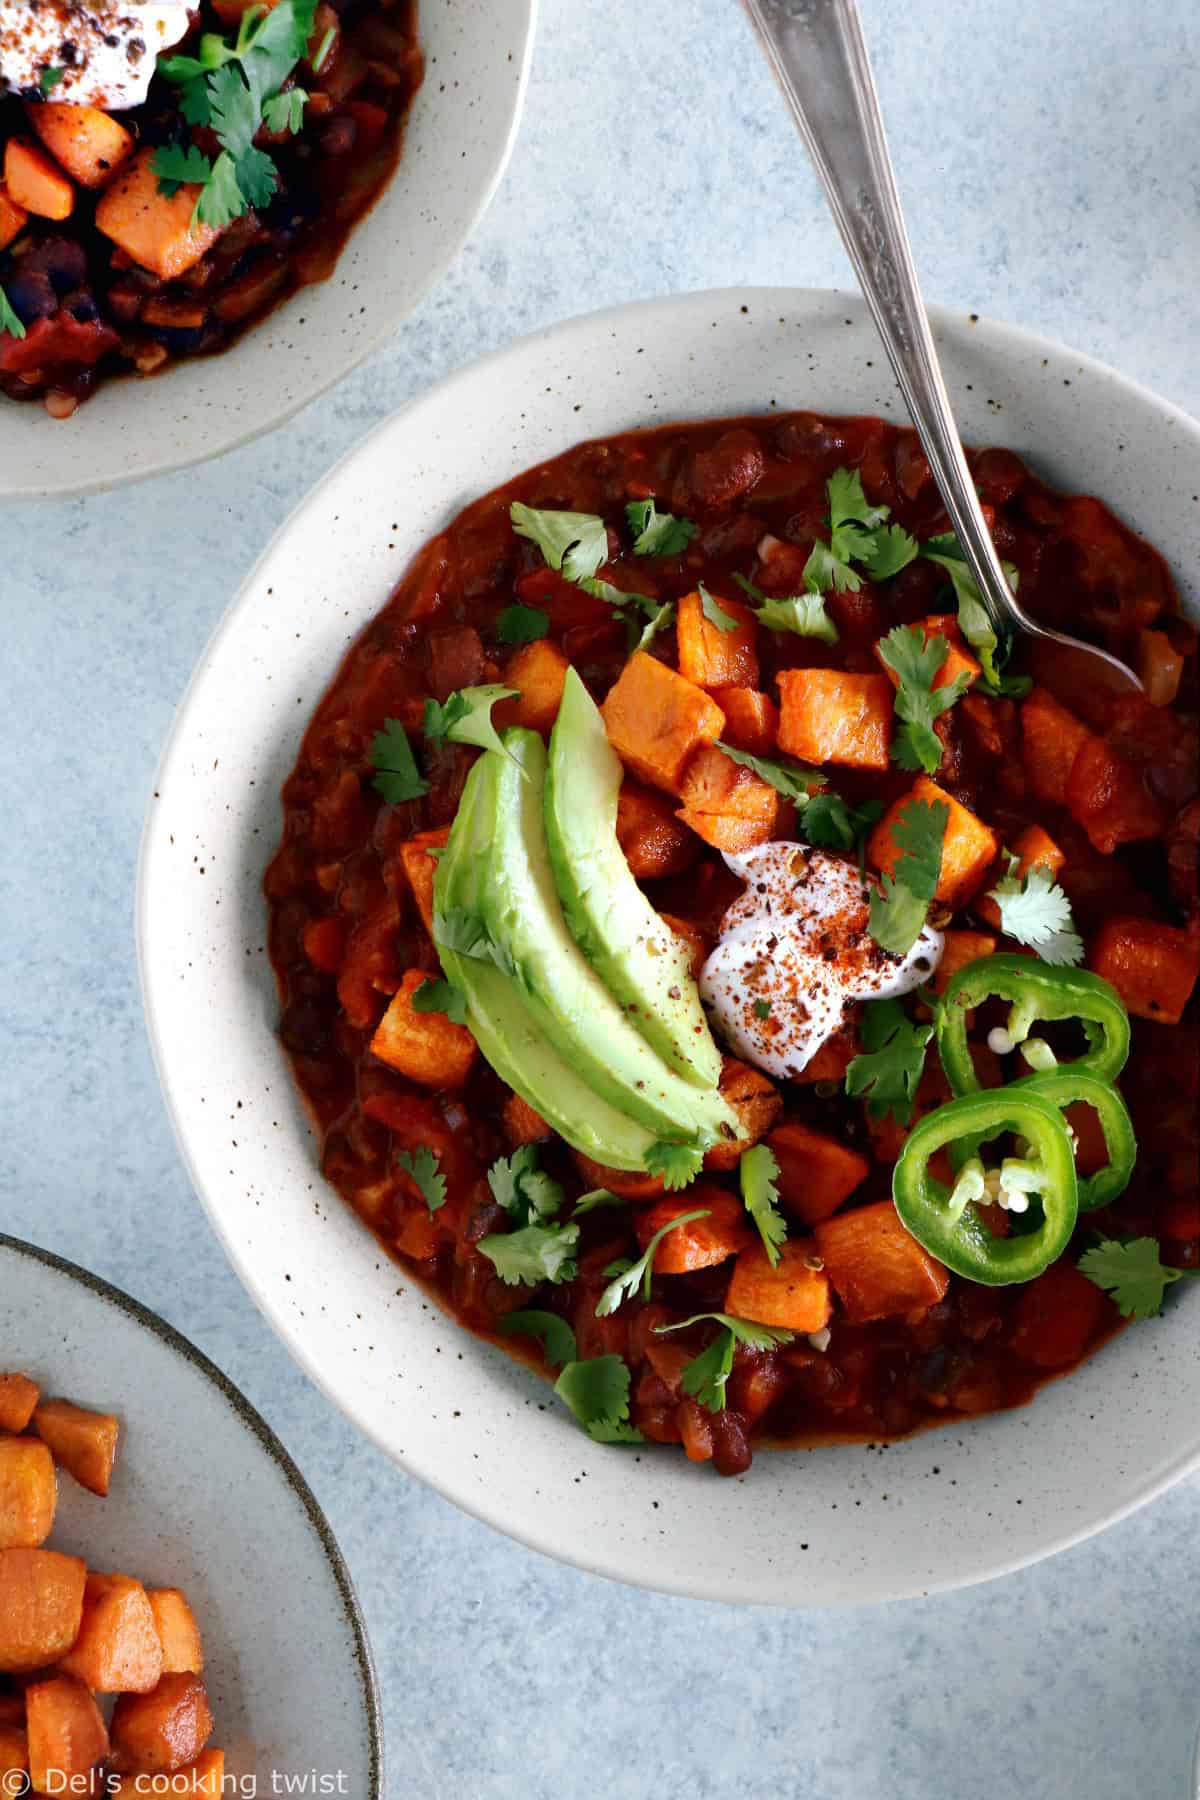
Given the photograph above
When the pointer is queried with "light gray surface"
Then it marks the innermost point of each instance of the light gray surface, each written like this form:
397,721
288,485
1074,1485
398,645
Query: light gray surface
654,156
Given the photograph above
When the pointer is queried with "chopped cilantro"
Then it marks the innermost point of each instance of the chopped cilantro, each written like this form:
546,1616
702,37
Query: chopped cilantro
887,1075
803,614
575,543
463,931
465,717
437,996
853,525
49,79
532,1254
705,1377
1132,1271
762,1009
677,1164
628,1276
758,1172
9,322
597,1392
714,612
916,662
285,112
1035,911
790,779
521,1188
830,823
522,624
554,1334
892,551
655,533
424,1169
657,621
900,905
594,1200
396,773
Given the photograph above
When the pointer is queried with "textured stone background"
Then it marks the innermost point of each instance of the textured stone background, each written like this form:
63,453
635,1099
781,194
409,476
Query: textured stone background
1050,159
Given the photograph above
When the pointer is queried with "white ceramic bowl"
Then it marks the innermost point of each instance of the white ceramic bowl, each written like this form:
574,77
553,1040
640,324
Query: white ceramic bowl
825,1526
457,143
286,1661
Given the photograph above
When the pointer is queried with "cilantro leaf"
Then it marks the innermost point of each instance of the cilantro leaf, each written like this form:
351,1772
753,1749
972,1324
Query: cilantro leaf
285,112
9,322
973,619
233,114
658,534
396,773
463,931
1132,1271
221,200
532,1254
916,661
900,905
791,780
677,1164
893,550
825,570
851,514
714,612
887,1075
856,535
465,717
657,621
594,1200
803,614
49,79
762,1009
629,1276
757,1173
257,176
575,543
705,1377
174,165
425,1171
830,823
522,624
437,996
597,1392
554,1334
522,1189
1035,911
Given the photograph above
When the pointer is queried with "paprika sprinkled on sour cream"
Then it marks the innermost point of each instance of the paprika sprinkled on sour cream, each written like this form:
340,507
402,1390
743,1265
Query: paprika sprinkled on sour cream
795,952
102,54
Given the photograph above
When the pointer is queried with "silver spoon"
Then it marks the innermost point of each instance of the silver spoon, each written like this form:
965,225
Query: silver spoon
817,51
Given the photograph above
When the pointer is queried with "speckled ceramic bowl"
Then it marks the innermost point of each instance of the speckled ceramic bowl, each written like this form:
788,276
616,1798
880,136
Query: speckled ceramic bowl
463,124
286,1661
818,1527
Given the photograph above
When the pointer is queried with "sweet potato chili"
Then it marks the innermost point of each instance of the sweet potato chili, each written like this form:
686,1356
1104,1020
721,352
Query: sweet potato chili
940,901
135,234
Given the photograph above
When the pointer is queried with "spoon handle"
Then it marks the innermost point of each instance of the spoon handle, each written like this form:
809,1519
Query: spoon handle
817,50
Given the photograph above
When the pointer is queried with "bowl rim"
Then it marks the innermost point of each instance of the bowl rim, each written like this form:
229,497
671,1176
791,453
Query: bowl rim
372,340
248,1416
1007,337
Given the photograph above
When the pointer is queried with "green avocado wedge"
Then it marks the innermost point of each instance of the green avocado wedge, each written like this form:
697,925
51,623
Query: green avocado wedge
566,998
637,957
499,1016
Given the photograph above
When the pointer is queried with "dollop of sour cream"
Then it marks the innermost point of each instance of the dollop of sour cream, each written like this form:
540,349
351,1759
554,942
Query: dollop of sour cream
795,952
99,54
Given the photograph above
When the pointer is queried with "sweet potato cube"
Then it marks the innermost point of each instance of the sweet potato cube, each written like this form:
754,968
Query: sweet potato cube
816,1173
961,948
178,1632
1153,967
12,1709
655,719
118,1648
703,1242
41,1606
538,672
654,841
200,1779
1051,740
833,1058
155,231
14,1755
1109,798
713,657
522,1125
794,1294
13,218
157,1733
34,181
426,1046
28,1492
67,1737
827,716
959,660
968,850
751,719
877,1269
629,1184
18,1397
726,804
82,1442
756,1101
89,144
421,868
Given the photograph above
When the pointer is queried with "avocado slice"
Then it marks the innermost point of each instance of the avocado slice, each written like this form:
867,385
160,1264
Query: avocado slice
498,1015
638,958
567,999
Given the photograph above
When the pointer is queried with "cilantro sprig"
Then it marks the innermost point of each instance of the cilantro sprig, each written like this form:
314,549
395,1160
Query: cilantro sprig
830,823
597,1392
435,995
1132,1271
916,662
887,1073
574,543
522,624
554,1334
655,533
791,780
464,931
424,1168
857,534
973,619
628,1277
713,611
706,1376
900,905
677,1165
10,324
758,1174
233,88
538,1247
1035,911
465,717
396,774
803,614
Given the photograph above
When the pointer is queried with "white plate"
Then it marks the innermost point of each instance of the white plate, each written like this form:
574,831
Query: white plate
206,1498
820,1527
457,143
